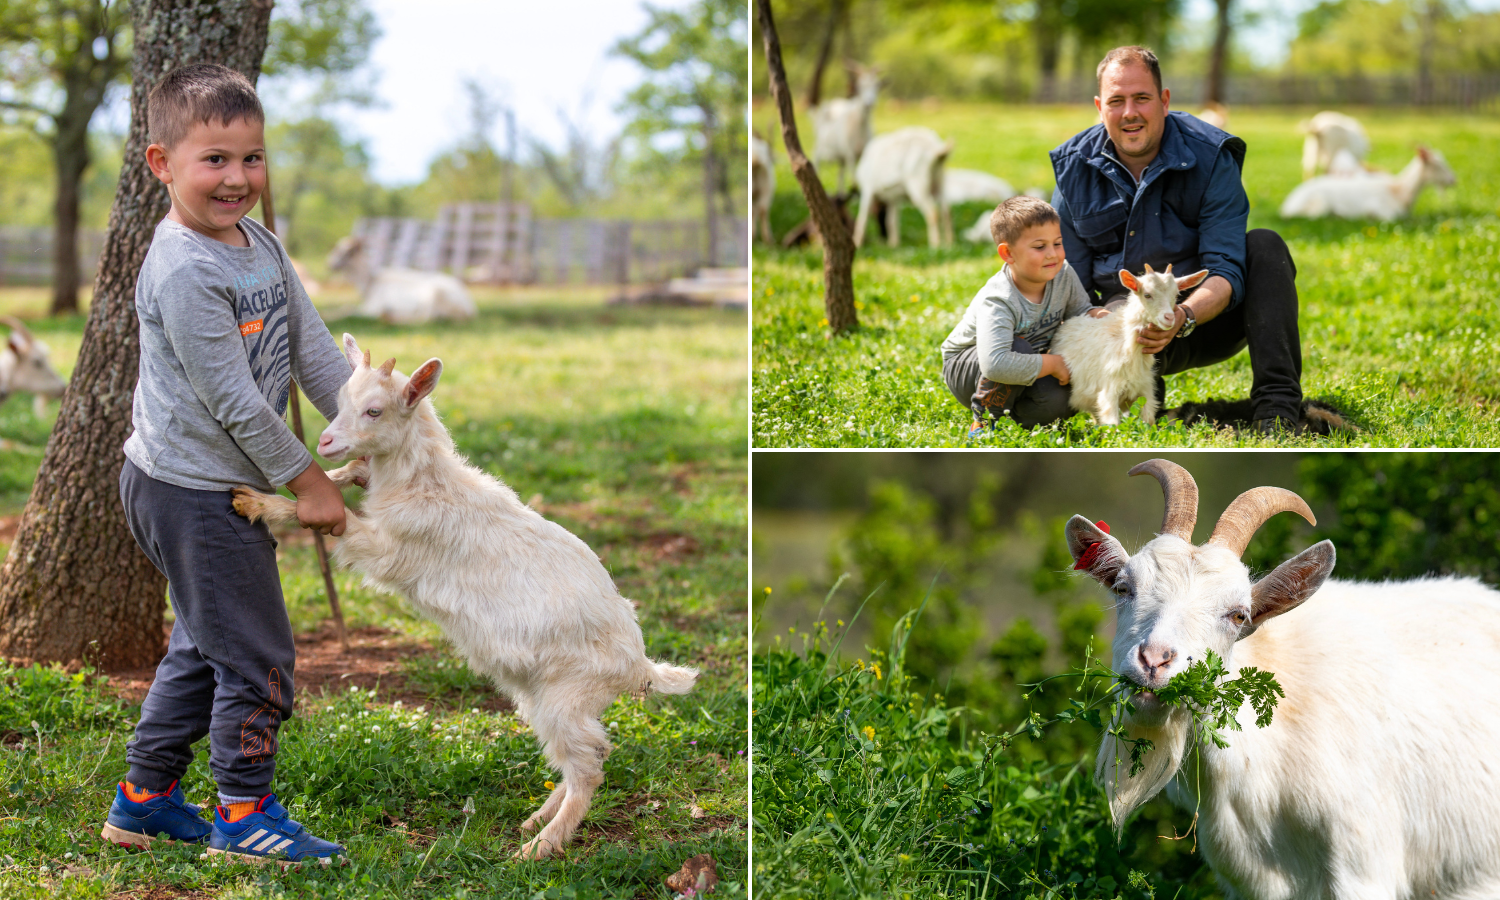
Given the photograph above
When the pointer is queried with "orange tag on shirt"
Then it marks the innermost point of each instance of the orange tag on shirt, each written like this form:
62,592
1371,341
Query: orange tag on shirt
250,328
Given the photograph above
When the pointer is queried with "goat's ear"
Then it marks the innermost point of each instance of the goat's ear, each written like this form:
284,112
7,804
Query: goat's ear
1291,582
352,352
1129,280
18,344
1189,282
422,382
1424,153
1094,551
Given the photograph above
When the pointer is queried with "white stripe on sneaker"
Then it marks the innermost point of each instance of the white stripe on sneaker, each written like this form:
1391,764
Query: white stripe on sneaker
261,847
282,846
245,842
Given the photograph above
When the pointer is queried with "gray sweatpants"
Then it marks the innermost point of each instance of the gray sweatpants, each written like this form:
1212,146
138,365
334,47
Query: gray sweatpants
228,669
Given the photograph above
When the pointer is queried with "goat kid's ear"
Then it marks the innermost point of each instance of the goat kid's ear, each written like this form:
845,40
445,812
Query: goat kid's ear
1291,582
1129,280
422,382
1094,551
1191,281
352,352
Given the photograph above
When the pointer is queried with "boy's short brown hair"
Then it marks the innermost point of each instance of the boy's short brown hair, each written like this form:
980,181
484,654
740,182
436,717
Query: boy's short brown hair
1018,214
198,94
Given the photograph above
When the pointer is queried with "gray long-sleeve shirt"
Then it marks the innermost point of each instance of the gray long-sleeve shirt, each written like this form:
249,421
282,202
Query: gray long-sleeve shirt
223,331
1000,313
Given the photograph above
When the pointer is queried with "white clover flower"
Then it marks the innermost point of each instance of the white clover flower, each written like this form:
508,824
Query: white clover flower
375,728
367,740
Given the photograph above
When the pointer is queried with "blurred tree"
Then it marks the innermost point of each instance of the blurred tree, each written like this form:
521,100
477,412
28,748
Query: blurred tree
1372,37
838,17
692,107
583,172
1218,58
74,585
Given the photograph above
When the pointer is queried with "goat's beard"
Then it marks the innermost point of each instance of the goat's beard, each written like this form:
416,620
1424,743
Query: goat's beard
1126,793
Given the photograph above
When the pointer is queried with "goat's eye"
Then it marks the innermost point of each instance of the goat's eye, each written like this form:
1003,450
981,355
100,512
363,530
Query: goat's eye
373,413
1239,619
1121,589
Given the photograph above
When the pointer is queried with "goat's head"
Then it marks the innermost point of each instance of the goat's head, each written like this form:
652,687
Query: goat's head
1435,168
1157,291
1177,601
865,80
28,370
377,406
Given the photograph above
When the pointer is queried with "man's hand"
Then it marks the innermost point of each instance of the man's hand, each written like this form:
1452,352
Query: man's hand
1154,340
320,506
1097,312
1053,365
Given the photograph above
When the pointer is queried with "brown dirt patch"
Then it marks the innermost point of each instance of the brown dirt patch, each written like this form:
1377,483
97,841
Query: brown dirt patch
160,892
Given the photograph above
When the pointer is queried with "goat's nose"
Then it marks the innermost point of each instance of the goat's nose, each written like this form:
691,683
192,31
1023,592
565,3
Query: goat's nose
1155,656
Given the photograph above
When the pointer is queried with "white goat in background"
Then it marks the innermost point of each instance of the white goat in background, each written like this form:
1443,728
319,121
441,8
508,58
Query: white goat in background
24,367
401,296
905,165
762,185
1375,778
1106,367
844,127
1327,134
527,602
972,186
1368,195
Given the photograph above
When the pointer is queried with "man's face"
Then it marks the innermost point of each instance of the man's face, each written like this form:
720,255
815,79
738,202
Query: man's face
215,174
1132,110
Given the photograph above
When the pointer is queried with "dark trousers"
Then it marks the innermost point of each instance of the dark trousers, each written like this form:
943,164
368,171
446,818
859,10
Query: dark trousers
1265,320
1041,402
228,669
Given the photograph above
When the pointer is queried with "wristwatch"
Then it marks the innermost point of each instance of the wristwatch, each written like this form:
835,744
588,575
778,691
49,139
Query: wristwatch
1189,323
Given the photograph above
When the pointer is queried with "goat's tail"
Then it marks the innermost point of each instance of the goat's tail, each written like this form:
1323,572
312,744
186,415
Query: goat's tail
667,678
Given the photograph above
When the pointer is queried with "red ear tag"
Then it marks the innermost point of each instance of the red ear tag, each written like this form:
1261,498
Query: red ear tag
1086,561
1103,526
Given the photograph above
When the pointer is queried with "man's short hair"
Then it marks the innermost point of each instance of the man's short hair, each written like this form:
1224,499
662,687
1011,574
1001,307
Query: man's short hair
199,94
1011,218
1123,55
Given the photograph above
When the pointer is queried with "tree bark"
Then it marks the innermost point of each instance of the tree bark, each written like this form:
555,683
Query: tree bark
710,182
1218,60
825,50
74,585
838,243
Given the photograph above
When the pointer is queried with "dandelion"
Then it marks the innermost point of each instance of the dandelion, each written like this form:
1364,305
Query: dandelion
868,732
548,785
875,667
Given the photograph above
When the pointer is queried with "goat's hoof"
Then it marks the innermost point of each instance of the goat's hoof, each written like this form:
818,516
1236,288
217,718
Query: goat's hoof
536,848
531,824
248,503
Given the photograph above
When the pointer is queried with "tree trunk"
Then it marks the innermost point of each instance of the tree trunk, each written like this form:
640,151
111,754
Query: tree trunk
74,585
1218,60
1047,29
710,182
838,243
825,50
71,159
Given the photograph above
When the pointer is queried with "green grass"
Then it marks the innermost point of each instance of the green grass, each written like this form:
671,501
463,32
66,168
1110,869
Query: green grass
1396,320
626,426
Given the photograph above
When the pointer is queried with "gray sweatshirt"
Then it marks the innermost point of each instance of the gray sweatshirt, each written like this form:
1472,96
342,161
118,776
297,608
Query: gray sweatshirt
999,314
224,330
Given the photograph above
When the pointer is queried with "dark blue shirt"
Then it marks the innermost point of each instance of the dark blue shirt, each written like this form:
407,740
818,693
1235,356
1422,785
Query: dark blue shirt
1189,209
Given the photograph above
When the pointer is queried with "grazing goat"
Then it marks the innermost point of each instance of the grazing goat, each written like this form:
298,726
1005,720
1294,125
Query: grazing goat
1375,777
1369,195
1327,134
1106,367
970,186
905,165
762,185
24,367
527,602
844,126
400,296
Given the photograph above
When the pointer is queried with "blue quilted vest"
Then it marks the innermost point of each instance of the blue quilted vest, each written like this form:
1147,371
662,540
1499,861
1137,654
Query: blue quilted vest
1160,226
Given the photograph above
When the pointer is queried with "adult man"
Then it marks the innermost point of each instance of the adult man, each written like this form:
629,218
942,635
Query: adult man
1151,186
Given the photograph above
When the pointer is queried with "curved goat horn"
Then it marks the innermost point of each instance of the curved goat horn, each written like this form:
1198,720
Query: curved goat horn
16,326
1181,494
1250,510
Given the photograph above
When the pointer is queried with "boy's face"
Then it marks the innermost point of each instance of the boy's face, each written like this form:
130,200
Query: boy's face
215,175
1037,255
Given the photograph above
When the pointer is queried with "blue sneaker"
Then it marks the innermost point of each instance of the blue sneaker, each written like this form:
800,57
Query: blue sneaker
266,834
169,815
980,430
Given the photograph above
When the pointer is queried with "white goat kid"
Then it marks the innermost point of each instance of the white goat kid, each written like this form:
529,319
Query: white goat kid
1374,779
24,367
528,603
843,126
401,296
905,165
1368,195
762,185
1106,367
1327,134
973,186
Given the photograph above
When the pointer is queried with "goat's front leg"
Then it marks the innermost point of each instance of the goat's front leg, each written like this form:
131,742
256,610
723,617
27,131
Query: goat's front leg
350,472
273,509
1108,407
1148,409
549,809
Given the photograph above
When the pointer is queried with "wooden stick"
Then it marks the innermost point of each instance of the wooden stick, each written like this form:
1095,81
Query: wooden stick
295,401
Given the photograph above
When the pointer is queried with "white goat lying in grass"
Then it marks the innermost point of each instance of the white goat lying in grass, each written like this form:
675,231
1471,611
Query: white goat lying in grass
1106,367
528,603
1369,195
401,296
905,165
1375,778
1327,134
24,367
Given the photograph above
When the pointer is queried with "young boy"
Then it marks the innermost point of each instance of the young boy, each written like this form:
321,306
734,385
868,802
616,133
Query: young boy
996,361
224,327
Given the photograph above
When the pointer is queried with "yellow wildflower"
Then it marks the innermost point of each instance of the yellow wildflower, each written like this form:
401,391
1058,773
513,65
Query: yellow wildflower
548,785
868,732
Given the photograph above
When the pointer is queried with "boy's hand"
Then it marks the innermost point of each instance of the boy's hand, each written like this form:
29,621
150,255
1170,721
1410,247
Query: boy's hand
320,506
1053,365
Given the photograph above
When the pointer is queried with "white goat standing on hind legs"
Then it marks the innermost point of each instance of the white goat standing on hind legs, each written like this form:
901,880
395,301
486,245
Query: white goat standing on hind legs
1374,779
528,603
1106,368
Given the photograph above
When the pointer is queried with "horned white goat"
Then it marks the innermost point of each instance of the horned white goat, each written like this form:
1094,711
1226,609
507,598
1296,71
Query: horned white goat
400,296
843,125
1375,777
1106,367
1369,195
528,603
1328,133
24,367
762,185
905,165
